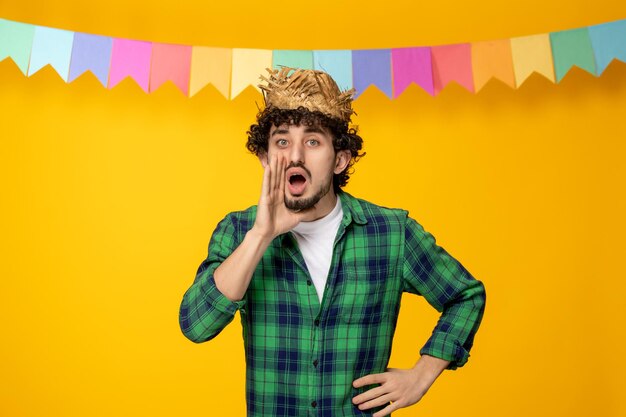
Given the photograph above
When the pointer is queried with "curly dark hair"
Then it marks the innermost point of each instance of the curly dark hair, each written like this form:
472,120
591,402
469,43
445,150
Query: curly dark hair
344,138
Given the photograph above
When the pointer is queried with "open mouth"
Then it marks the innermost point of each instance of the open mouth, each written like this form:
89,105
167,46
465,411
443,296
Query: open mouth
297,179
297,183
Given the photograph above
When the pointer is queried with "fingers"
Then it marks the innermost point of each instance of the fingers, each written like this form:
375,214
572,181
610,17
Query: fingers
387,410
273,172
278,165
265,186
384,399
264,159
369,394
369,380
282,177
398,386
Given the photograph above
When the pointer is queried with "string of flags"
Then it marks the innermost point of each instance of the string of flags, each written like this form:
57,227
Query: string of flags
391,70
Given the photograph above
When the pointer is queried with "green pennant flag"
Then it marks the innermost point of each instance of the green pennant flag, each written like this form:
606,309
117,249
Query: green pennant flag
16,40
572,47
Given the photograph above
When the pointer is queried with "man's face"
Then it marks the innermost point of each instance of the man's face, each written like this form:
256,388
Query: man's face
311,163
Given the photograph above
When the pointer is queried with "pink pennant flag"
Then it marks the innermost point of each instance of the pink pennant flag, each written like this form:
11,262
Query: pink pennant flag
452,63
412,65
170,63
130,59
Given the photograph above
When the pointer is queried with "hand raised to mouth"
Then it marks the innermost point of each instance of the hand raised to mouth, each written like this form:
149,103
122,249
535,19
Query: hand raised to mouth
273,218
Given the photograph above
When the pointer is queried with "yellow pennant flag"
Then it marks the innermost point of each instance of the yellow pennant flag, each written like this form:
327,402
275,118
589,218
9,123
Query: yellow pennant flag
248,65
532,54
210,65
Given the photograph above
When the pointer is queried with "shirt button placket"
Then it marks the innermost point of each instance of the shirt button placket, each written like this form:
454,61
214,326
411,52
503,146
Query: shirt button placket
315,379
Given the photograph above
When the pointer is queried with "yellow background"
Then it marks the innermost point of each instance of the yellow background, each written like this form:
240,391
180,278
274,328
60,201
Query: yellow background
108,200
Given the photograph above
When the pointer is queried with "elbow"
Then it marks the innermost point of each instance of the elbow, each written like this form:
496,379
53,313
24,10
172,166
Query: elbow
483,295
189,327
479,300
473,296
195,339
192,333
478,296
194,329
202,316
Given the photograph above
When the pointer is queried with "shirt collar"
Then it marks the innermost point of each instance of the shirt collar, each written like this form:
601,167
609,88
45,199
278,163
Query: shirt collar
352,209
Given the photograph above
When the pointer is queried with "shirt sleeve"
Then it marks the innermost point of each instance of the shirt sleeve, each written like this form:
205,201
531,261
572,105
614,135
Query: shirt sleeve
430,271
204,310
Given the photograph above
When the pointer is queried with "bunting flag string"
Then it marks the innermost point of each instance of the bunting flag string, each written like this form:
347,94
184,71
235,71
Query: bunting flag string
391,70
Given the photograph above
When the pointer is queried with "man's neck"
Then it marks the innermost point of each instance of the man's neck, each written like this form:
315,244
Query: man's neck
322,208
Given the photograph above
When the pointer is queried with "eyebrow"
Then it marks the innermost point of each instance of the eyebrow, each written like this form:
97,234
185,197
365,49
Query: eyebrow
314,129
309,129
280,132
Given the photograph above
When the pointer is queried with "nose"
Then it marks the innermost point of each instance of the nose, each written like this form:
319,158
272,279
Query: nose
296,153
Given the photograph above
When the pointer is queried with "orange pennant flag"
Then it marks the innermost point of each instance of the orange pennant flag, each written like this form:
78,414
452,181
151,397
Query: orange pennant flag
492,59
211,65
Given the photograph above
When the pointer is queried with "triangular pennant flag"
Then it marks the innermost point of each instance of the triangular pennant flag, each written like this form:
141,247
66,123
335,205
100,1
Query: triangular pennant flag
372,67
210,65
609,42
452,63
569,48
54,47
412,65
492,59
170,63
293,59
248,65
391,70
337,63
16,42
532,54
93,53
130,58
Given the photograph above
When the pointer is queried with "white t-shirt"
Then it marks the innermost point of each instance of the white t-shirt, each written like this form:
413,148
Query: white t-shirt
316,240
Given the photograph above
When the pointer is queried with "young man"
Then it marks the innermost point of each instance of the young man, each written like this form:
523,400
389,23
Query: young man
317,274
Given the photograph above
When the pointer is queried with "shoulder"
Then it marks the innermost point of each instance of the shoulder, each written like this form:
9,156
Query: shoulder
241,220
376,213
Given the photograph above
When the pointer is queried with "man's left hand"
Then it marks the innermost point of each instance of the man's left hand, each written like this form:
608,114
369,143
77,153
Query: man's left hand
403,387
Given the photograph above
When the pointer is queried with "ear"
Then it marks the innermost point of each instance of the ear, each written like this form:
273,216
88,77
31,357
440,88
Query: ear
342,158
263,158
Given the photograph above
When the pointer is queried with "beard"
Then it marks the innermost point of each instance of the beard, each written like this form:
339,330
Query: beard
310,202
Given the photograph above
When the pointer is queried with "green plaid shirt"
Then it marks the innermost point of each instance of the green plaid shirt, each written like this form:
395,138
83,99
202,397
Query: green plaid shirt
302,355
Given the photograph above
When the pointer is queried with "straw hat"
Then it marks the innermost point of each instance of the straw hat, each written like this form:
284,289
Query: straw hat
311,89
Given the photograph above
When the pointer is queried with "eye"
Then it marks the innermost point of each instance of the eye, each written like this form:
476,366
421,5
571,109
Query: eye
313,142
281,143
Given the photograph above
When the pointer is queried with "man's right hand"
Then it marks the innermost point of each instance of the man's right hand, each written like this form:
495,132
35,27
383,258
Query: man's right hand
273,217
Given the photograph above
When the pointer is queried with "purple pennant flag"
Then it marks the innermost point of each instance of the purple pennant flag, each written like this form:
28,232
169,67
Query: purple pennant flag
372,66
412,65
91,52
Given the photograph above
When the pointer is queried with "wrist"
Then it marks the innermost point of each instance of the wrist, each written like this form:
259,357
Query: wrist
432,364
427,370
259,235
